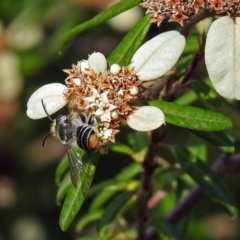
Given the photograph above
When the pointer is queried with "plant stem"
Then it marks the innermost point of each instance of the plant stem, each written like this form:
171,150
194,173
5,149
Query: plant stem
146,190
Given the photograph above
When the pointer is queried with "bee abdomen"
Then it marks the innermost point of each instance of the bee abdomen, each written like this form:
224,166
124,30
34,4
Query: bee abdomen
87,138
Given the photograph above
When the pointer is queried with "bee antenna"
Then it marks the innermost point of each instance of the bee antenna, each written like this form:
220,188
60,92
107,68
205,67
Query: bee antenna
45,139
45,110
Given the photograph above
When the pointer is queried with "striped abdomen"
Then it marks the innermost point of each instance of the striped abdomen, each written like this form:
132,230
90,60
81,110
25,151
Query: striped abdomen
87,138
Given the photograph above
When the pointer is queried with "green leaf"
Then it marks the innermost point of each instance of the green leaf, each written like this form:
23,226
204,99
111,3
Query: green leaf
213,101
110,191
183,65
98,19
207,180
98,187
61,169
124,176
219,139
63,165
138,141
192,117
63,188
164,229
103,197
129,172
113,208
187,98
122,148
88,218
76,196
192,44
88,238
197,146
124,52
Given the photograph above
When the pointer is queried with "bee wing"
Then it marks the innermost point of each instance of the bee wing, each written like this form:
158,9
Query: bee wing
75,165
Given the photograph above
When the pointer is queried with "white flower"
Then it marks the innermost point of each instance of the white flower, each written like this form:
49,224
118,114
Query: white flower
77,81
222,56
104,131
97,62
157,56
146,118
97,98
151,61
115,68
84,66
101,101
53,99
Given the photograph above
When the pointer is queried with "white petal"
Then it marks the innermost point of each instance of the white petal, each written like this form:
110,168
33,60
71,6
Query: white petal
99,112
90,99
134,90
104,97
222,56
114,115
115,68
111,107
97,62
157,56
84,66
95,92
107,133
52,96
146,118
105,117
77,81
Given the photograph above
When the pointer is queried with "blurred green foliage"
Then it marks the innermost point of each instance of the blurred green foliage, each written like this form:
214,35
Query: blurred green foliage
27,188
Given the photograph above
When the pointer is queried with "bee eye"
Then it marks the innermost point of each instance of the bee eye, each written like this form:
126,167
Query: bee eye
62,133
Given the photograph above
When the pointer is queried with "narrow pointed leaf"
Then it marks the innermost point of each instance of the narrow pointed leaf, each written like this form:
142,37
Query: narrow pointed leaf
88,238
125,175
207,180
96,188
98,19
198,147
63,188
122,148
107,193
165,229
214,102
113,209
124,52
192,117
76,196
129,172
61,169
102,198
219,139
222,55
88,218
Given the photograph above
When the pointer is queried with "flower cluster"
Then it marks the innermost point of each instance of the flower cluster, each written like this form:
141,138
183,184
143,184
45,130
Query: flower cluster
174,10
224,7
179,10
111,92
106,91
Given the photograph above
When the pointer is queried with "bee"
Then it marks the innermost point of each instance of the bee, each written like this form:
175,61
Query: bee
76,130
